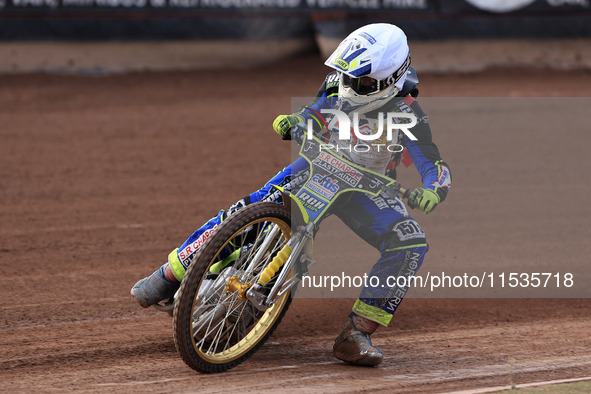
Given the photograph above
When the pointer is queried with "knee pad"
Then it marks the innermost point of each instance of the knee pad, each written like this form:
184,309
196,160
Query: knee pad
404,233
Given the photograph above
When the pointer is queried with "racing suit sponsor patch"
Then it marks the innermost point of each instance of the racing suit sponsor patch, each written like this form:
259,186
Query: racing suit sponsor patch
186,253
312,203
323,186
339,168
443,178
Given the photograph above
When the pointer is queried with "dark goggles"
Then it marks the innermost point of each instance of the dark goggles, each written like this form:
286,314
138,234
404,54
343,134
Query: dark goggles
363,85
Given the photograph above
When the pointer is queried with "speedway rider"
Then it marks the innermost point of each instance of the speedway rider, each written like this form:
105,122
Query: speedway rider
372,75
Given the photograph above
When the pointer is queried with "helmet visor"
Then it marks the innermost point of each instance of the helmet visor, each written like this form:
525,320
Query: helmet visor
362,85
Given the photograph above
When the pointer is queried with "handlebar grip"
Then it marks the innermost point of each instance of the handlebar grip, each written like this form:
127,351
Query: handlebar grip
298,133
397,189
405,193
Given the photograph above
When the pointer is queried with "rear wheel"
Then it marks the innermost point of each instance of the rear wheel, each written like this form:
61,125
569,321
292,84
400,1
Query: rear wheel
215,326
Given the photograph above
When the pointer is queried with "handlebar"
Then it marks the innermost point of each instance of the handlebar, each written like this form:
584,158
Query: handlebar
298,132
404,193
397,189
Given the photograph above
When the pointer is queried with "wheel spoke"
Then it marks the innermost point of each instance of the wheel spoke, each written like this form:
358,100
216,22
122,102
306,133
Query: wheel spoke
219,327
223,326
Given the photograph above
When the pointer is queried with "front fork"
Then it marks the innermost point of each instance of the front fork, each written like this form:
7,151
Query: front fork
293,255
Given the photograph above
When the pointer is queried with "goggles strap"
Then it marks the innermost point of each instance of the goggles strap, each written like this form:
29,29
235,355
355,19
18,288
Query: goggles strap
395,77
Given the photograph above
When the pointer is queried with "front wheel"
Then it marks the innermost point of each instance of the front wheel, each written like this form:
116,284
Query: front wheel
215,326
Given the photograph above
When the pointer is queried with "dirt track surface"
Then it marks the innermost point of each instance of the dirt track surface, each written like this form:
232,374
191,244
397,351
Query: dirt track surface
100,177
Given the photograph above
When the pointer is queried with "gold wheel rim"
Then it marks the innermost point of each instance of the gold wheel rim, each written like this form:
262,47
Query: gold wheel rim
263,325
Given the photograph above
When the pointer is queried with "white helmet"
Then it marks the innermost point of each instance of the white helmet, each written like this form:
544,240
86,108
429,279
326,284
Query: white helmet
372,63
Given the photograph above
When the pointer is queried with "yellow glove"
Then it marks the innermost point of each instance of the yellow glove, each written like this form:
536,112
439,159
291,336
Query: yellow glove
424,199
284,123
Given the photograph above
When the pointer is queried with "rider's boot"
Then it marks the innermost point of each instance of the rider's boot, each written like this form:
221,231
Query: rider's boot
353,345
157,287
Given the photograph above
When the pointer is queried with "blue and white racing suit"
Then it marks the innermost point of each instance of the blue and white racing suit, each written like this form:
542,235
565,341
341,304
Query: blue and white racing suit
381,221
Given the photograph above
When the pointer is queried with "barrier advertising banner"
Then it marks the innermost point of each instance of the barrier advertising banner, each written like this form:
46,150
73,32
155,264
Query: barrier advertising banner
260,19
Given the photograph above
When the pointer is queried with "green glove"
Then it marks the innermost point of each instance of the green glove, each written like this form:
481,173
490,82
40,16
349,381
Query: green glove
424,199
284,123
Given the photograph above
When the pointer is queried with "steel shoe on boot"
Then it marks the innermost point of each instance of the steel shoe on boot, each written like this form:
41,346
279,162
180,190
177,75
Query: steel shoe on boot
154,288
354,346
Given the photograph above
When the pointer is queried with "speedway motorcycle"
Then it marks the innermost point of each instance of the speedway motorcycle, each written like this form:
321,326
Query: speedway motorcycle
239,285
